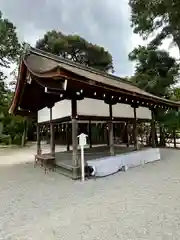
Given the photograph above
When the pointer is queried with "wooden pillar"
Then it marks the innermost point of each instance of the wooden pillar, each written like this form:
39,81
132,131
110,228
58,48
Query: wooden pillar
74,132
153,129
52,140
67,137
47,134
24,136
127,132
111,134
90,134
135,133
107,134
38,139
174,137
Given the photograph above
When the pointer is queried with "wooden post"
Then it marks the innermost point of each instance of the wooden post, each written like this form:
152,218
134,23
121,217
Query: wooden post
67,137
135,130
38,139
174,137
47,134
153,129
111,134
23,140
107,134
74,131
90,135
127,132
52,140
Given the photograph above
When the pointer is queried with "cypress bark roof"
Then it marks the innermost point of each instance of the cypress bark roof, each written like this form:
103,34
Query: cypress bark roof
43,65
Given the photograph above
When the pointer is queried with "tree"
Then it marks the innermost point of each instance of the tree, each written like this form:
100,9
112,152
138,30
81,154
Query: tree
161,17
156,71
9,53
9,45
175,94
76,48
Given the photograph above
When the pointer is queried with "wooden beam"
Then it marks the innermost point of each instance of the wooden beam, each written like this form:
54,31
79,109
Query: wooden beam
111,133
135,130
74,132
52,140
153,129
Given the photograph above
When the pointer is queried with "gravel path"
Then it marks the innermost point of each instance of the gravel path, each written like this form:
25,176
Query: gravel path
143,203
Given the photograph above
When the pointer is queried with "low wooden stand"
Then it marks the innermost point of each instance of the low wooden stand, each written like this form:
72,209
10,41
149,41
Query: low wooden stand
46,160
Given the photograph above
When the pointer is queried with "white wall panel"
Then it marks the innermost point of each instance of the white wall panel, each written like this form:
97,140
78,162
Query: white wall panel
143,112
61,109
122,110
92,107
43,115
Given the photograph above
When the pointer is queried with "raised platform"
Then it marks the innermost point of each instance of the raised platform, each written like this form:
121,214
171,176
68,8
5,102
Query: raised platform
100,159
64,159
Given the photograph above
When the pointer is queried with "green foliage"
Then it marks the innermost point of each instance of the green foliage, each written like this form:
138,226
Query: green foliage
77,49
13,126
175,94
9,45
155,72
161,17
5,139
170,120
9,53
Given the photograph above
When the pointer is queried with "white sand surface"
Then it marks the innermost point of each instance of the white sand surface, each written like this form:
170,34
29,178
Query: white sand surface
142,203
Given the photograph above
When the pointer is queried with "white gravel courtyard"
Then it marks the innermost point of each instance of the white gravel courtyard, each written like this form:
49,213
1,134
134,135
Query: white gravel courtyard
143,203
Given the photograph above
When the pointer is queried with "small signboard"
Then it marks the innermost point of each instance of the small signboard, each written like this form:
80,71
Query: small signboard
82,142
82,139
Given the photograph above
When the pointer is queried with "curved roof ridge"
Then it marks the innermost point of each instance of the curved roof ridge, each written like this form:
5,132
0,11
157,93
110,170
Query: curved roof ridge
79,65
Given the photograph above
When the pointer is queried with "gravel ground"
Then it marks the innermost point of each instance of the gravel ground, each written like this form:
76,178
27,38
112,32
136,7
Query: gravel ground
143,203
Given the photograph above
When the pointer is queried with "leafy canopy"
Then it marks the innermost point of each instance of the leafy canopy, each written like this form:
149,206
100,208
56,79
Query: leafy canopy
9,53
9,45
9,49
155,71
161,17
76,48
158,19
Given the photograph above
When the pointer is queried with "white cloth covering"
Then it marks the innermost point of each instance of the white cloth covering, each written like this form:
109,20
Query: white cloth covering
112,164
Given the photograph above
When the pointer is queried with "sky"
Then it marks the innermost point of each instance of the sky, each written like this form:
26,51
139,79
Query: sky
103,22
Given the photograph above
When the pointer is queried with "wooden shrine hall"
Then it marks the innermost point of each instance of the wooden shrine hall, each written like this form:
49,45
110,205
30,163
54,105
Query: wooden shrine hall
46,82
